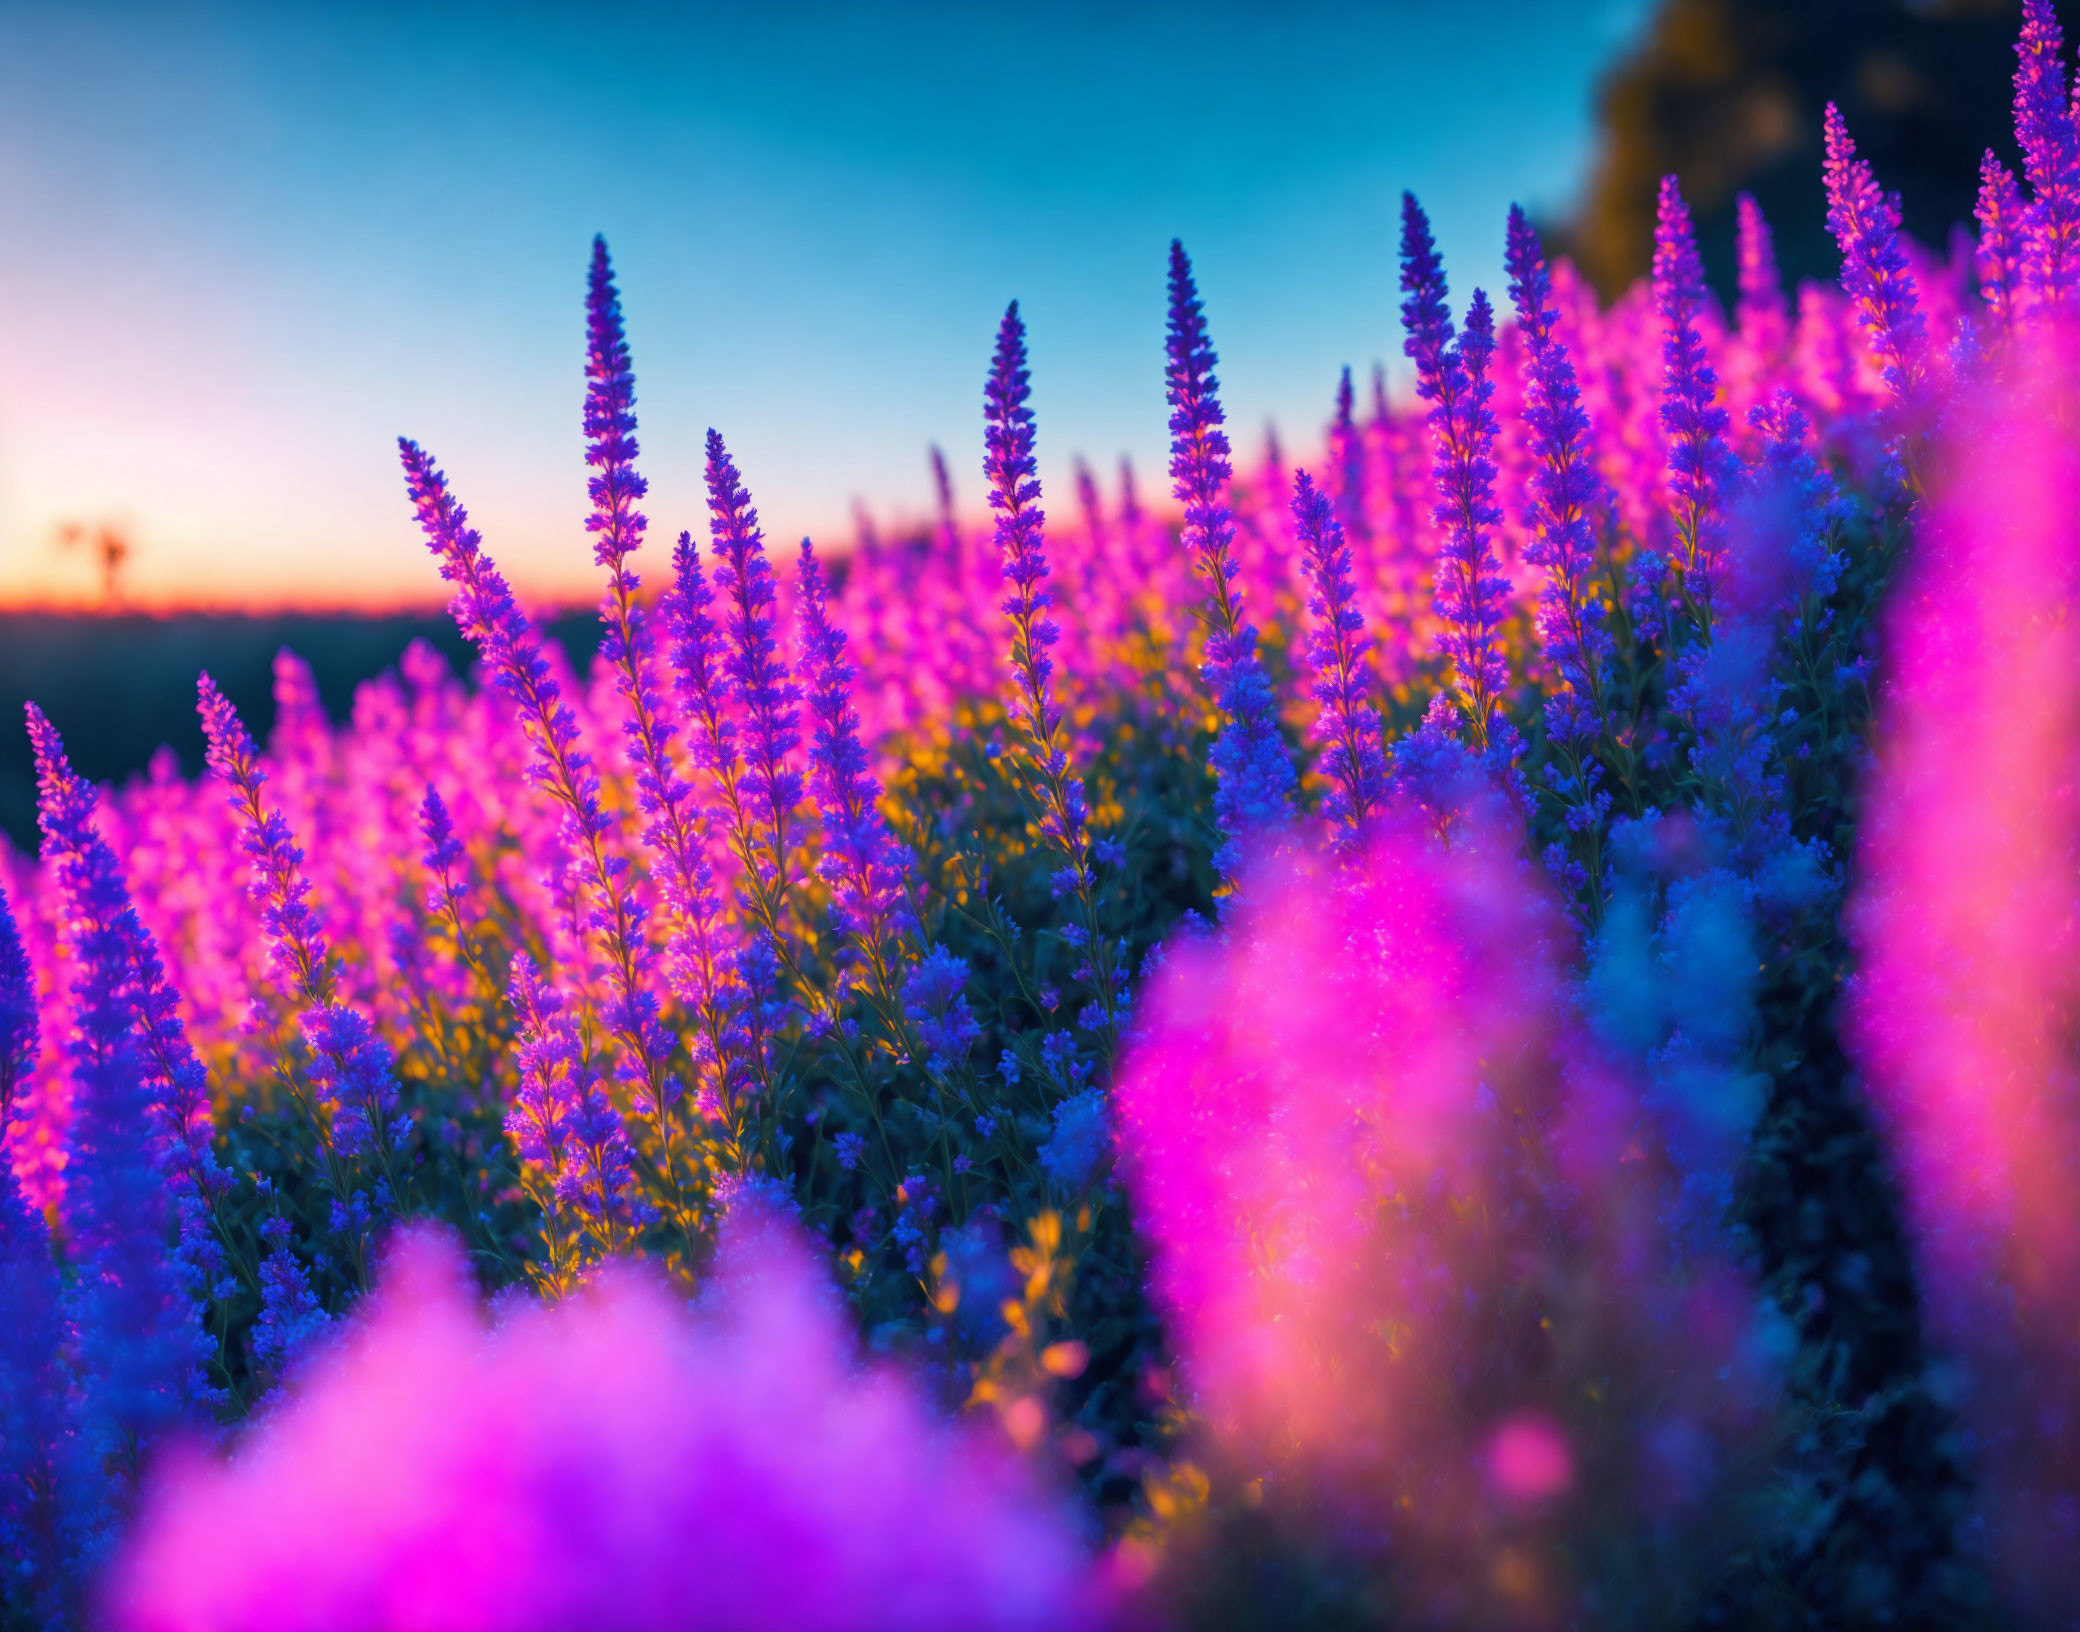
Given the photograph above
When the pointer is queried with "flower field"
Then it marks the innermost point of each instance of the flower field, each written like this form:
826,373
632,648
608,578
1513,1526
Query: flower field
1477,1033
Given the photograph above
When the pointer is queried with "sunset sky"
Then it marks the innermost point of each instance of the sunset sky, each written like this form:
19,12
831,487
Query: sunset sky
245,247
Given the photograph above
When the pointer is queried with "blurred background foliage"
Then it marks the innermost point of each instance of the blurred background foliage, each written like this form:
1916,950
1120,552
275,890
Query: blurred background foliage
1728,95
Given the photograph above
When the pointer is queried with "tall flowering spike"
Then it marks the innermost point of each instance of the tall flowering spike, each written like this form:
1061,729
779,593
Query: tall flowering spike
758,674
443,855
2050,140
1249,758
1472,596
2042,118
297,952
1763,315
2001,223
1424,314
1566,496
1021,542
352,1074
1347,449
706,694
615,485
698,674
484,610
866,872
671,818
563,1125
1699,462
32,1385
18,1021
139,1330
177,1084
1865,222
1347,727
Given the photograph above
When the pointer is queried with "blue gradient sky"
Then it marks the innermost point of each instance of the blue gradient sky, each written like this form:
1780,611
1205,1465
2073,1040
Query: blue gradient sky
242,247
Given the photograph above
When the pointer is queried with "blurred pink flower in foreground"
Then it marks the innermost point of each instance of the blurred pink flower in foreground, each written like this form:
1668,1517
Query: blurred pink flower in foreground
613,1461
1407,1228
1967,923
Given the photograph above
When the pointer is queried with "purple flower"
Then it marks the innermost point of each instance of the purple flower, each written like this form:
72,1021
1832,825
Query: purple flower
32,1387
1764,320
1347,727
936,1005
176,1083
350,1070
708,696
443,855
1253,770
868,875
2045,129
1472,595
2001,228
697,956
764,692
296,944
139,1329
484,610
291,1318
1700,465
615,486
1347,458
1015,497
1567,498
1080,1140
561,1122
1865,222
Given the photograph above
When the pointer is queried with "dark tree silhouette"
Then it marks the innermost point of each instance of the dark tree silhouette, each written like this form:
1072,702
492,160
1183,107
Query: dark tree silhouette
1727,95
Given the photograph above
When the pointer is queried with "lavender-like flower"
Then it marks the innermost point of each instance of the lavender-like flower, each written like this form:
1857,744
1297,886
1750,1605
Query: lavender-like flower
1567,496
564,1127
1764,319
1249,758
2050,139
138,1328
708,696
2001,217
1015,497
1700,465
443,855
696,956
1865,222
759,681
484,610
868,875
1021,542
291,1317
297,953
32,1385
1453,379
176,1083
936,1005
351,1077
1347,728
615,486
1347,455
